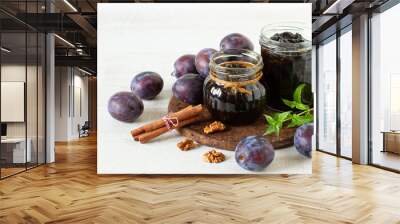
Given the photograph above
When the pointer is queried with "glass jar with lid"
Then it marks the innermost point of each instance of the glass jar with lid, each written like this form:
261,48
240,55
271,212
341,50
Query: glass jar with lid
232,91
286,53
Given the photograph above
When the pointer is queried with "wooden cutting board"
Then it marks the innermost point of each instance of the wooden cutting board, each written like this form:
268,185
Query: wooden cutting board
229,138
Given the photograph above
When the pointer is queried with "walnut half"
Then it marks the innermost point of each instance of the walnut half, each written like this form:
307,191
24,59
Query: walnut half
214,157
214,127
186,145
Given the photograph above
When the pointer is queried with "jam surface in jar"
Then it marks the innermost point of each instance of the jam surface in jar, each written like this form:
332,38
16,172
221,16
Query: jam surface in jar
232,92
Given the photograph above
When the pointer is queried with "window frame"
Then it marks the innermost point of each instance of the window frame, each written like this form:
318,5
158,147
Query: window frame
334,37
381,9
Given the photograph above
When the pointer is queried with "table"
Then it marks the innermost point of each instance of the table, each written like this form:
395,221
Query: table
18,150
391,141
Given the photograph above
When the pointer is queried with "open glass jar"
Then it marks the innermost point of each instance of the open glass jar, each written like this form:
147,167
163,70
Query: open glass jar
286,52
232,91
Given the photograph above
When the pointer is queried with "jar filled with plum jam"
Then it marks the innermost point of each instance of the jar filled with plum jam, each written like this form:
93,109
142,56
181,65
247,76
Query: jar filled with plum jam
232,91
286,53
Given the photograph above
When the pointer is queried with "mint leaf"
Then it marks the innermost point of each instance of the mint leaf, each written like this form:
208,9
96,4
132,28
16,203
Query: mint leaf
301,106
275,123
277,120
281,117
272,129
297,120
297,93
269,119
291,104
308,117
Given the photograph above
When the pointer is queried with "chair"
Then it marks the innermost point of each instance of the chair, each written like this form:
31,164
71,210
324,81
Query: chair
84,130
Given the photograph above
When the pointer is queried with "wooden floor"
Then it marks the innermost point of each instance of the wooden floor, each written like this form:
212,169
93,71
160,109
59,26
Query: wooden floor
387,159
5,172
69,191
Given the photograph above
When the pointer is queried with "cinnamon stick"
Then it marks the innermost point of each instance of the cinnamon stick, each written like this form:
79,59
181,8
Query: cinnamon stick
187,112
146,137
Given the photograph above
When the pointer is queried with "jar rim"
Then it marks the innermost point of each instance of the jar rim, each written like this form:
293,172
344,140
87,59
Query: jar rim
284,47
237,72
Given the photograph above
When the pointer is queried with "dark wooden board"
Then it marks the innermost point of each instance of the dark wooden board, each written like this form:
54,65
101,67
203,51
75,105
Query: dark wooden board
229,138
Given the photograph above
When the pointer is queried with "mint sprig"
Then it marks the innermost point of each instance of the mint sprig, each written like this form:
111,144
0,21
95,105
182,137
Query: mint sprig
299,115
296,103
275,123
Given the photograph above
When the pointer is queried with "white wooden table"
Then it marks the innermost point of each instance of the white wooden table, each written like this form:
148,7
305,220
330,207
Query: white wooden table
139,37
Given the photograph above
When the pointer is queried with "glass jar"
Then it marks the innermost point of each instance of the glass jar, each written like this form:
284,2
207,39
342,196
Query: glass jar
286,53
232,91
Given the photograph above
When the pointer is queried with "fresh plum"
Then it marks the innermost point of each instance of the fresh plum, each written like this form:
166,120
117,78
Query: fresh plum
189,89
202,61
254,153
184,64
147,85
303,139
237,41
125,106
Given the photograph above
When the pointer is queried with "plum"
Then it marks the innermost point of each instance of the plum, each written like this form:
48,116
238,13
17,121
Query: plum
303,139
237,41
125,106
184,64
254,153
202,61
189,89
147,85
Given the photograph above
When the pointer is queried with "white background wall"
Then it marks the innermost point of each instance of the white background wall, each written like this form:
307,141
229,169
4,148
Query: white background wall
80,109
12,73
70,84
13,100
16,73
34,126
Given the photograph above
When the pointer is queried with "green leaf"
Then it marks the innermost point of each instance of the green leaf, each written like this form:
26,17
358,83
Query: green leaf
277,120
297,120
301,106
297,93
291,104
272,129
308,117
281,117
269,119
275,123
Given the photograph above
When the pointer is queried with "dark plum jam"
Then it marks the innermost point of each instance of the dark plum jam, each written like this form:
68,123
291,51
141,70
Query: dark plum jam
287,64
232,92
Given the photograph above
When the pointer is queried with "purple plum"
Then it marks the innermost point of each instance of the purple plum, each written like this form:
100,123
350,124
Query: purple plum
202,61
303,139
125,106
184,64
147,85
189,89
254,153
236,41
